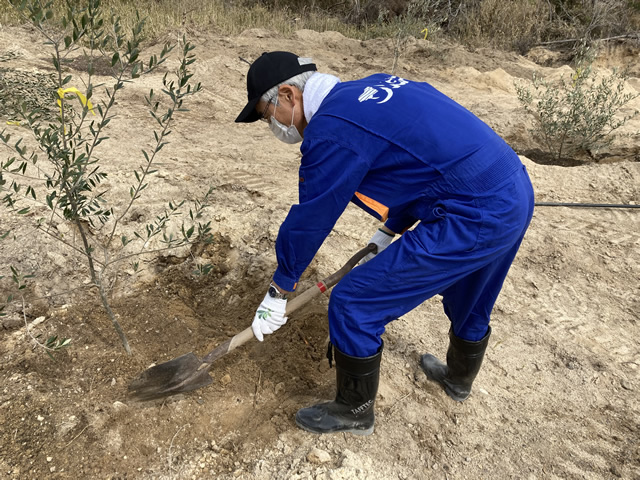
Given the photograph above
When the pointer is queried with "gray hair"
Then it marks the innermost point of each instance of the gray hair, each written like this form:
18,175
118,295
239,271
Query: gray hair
298,81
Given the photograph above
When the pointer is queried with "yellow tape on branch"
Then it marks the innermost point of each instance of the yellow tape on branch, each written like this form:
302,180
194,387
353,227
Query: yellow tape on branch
85,103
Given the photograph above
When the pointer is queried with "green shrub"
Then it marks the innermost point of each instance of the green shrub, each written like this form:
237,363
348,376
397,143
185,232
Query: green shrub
577,115
63,173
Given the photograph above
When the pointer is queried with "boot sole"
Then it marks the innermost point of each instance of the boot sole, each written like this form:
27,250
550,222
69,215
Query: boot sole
437,379
355,431
457,398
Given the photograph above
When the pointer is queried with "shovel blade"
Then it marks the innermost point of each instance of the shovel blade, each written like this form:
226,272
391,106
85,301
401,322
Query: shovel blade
179,375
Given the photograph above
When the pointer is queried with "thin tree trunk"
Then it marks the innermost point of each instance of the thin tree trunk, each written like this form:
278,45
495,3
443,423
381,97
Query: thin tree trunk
114,320
103,295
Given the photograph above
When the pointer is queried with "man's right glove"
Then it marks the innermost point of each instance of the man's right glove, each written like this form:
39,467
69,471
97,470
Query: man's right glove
382,239
269,317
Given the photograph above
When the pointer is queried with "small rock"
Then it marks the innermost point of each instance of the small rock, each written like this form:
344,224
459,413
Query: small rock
40,418
226,380
113,382
119,405
63,228
279,388
318,456
49,459
12,323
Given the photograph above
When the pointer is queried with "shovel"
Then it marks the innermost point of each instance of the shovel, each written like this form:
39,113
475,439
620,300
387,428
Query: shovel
188,372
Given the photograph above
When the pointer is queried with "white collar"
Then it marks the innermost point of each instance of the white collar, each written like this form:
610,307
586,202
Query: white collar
315,90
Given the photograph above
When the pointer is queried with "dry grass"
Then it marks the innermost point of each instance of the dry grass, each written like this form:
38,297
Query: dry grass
513,25
163,16
505,25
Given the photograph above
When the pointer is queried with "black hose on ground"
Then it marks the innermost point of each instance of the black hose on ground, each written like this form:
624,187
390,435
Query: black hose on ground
585,205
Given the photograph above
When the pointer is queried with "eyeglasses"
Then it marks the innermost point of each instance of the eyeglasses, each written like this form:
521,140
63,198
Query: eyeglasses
264,112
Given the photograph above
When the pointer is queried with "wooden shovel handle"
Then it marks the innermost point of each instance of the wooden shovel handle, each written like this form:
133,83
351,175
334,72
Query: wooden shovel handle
292,305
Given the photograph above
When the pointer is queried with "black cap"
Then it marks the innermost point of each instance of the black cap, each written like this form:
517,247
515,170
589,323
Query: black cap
269,70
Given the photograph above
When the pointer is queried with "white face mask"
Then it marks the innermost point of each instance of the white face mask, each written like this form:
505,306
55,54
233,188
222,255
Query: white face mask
283,133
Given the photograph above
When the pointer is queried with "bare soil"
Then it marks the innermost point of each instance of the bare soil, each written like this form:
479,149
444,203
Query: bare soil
558,393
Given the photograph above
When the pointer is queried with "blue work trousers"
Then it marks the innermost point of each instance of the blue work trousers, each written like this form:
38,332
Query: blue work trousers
461,250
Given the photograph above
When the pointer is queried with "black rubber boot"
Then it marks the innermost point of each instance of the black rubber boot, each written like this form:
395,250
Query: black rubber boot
352,411
464,359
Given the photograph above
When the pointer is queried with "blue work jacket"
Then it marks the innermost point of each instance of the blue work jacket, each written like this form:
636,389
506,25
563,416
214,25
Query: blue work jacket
396,148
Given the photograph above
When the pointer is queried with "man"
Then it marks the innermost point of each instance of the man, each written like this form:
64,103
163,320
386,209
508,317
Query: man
454,191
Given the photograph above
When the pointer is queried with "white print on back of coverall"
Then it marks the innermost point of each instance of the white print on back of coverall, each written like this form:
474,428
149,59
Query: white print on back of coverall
391,83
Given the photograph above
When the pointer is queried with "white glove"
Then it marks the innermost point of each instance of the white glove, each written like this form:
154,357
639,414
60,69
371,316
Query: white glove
382,240
269,316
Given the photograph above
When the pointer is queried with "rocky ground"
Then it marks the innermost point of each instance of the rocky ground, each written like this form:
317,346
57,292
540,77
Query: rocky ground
558,393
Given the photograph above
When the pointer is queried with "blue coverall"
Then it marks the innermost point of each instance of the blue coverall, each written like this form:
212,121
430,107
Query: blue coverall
407,154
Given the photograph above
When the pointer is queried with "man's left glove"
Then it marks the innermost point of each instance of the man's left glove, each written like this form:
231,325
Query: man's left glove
269,316
382,240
